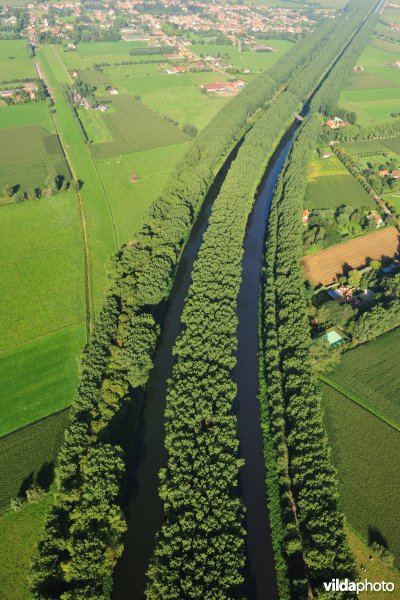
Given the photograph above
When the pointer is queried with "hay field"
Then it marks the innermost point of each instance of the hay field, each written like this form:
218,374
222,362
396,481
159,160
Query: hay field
326,265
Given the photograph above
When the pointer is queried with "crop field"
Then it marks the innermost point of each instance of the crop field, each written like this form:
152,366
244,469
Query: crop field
26,456
39,377
366,452
20,532
135,127
367,146
15,62
130,199
371,372
326,265
42,268
28,154
330,185
393,144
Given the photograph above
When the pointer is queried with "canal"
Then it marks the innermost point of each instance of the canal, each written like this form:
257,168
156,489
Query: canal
145,509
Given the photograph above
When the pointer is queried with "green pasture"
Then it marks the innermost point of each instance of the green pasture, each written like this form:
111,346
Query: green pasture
375,57
26,456
41,268
93,77
366,80
94,126
366,452
257,61
135,127
100,229
330,186
130,201
373,146
160,91
371,372
15,62
114,49
386,45
19,534
32,113
392,143
39,377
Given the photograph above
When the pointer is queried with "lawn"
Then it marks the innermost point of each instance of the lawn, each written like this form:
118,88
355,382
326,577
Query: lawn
135,127
39,378
28,154
27,456
330,186
366,452
19,534
93,77
114,49
130,200
42,268
371,373
15,62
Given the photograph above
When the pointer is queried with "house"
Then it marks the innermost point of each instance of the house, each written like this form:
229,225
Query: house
336,122
373,216
383,173
326,155
306,216
395,174
113,91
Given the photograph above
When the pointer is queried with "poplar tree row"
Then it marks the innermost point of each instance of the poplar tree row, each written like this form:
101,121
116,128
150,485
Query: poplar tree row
309,537
82,537
200,547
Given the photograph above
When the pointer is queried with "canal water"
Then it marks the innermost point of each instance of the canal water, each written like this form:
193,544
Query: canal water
145,509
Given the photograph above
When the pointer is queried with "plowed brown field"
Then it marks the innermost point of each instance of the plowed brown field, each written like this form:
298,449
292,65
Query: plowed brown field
327,265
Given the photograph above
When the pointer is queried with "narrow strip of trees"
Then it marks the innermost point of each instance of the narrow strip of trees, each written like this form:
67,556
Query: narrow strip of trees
309,537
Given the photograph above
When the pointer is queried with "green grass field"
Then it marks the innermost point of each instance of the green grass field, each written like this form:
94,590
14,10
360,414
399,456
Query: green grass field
330,186
93,77
370,146
42,268
39,377
32,113
27,456
135,127
255,61
15,62
28,154
374,93
370,372
19,533
366,452
130,200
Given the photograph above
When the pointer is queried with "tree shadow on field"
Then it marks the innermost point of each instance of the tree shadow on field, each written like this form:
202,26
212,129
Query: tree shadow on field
375,535
27,482
45,475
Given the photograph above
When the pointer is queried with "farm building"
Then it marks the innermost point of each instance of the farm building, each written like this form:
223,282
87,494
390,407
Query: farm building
306,216
373,216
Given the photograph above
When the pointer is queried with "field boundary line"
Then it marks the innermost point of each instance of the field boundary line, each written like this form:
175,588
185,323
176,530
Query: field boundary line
359,401
40,337
53,414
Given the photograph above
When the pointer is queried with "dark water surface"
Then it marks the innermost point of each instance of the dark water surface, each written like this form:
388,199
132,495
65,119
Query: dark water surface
145,509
